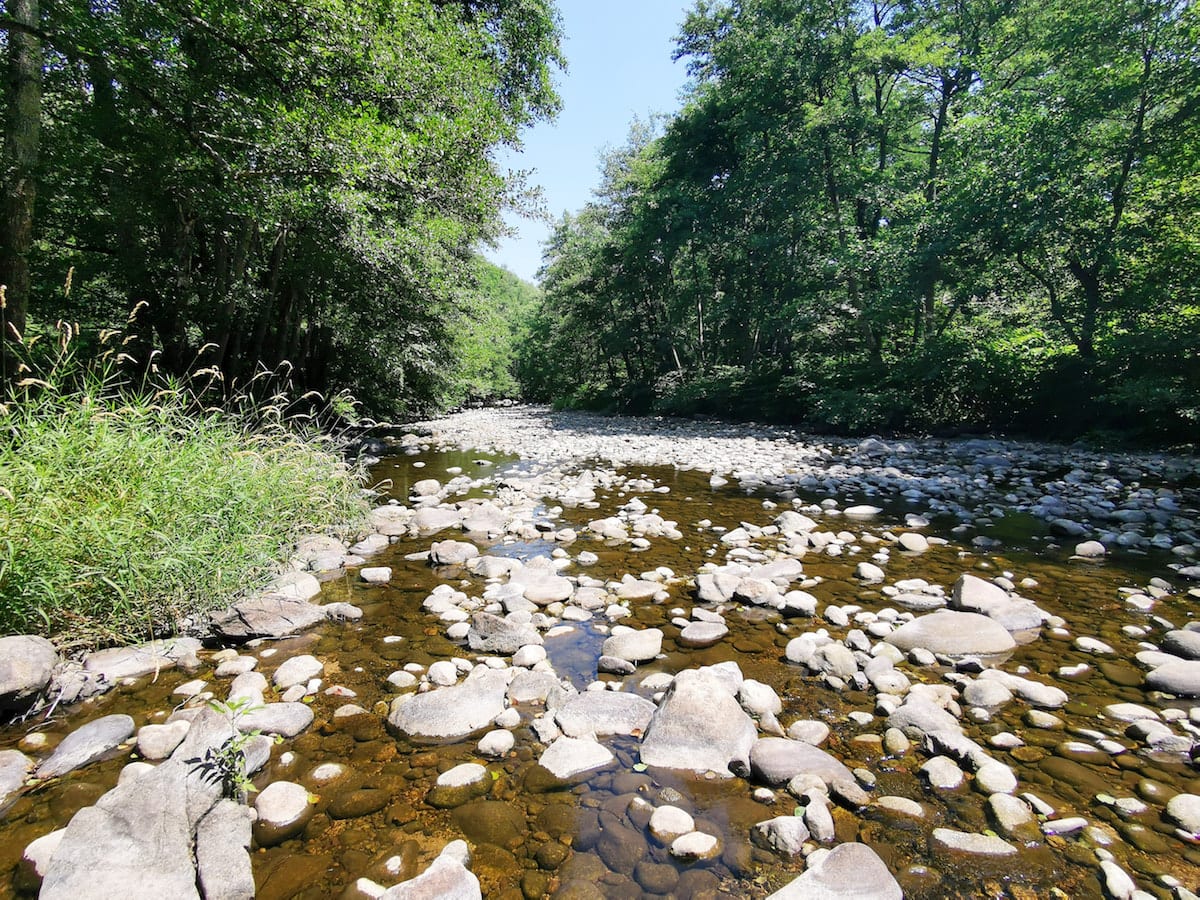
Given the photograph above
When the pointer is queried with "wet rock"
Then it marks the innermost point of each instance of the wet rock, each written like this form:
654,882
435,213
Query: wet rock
851,871
602,713
496,743
222,853
159,741
26,665
36,860
458,785
695,845
492,634
567,758
702,634
1012,816
283,808
1181,678
776,761
953,634
942,773
267,617
297,670
975,844
670,822
376,574
447,878
457,711
86,744
699,727
452,553
140,832
15,766
1184,810
634,646
783,834
1182,643
491,822
284,719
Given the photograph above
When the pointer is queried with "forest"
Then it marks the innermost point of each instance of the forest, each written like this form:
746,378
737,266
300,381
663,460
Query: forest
924,215
246,187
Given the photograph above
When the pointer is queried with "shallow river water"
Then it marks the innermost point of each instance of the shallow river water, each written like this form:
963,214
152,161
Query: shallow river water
532,838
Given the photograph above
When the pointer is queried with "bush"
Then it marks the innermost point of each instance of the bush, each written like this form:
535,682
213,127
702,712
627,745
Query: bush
122,514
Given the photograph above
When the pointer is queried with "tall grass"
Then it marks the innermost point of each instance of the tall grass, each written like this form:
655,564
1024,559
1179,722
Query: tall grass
125,512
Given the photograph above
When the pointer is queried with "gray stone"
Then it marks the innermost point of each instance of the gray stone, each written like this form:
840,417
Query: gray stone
777,761
975,844
848,872
1184,810
297,670
568,758
699,727
452,553
1180,678
783,834
283,808
1182,643
159,741
284,719
492,634
15,766
432,519
702,634
634,645
223,853
137,839
942,773
86,744
26,665
267,616
457,711
953,634
447,878
919,717
604,712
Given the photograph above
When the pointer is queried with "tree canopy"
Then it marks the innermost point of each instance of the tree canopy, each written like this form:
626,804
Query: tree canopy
911,214
266,184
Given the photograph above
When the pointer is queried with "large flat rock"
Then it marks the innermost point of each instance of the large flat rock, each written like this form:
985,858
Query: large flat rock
700,727
954,634
848,872
604,712
451,712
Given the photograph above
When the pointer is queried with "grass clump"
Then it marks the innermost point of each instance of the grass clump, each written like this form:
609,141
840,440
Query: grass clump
125,512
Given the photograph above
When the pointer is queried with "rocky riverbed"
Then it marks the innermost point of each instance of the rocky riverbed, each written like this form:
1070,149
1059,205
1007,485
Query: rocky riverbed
601,657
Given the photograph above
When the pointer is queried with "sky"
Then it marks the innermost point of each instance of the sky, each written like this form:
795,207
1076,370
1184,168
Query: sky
618,67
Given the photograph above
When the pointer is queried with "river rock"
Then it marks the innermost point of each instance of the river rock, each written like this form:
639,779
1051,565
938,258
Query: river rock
546,589
15,766
456,786
847,872
266,617
284,719
456,711
26,665
697,635
670,822
452,553
137,839
775,761
976,844
447,878
634,646
700,726
1182,643
283,808
1184,810
783,834
86,744
297,670
432,519
953,634
492,634
222,853
159,741
568,758
1180,678
599,713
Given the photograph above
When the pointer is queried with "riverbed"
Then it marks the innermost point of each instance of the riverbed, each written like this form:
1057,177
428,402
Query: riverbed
644,519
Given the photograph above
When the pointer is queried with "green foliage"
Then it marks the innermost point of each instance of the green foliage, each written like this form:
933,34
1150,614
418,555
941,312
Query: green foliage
127,508
227,763
273,183
922,215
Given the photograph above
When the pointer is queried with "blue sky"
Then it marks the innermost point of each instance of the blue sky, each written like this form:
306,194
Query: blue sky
619,67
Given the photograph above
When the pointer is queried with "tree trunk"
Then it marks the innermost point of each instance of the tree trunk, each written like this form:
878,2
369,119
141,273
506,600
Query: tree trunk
22,139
